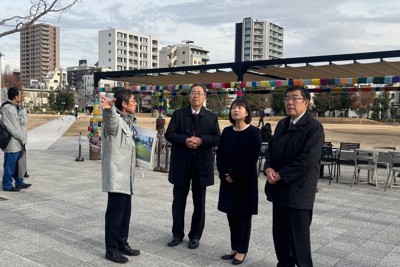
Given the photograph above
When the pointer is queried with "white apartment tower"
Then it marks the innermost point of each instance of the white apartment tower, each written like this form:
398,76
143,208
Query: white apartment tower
39,52
185,54
122,50
258,40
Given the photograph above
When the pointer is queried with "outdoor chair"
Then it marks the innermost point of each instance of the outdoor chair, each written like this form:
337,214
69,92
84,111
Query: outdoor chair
344,156
394,168
384,158
328,159
365,160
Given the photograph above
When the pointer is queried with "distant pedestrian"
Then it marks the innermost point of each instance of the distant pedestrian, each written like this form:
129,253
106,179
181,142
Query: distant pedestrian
262,115
11,119
266,133
24,122
118,171
76,113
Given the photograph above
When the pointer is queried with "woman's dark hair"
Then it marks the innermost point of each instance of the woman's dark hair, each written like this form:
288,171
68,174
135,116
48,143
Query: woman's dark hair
13,92
242,103
122,95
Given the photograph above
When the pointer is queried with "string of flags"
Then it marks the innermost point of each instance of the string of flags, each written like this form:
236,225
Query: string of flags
338,85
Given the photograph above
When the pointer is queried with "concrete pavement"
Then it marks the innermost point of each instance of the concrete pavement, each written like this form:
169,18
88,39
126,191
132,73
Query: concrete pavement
59,221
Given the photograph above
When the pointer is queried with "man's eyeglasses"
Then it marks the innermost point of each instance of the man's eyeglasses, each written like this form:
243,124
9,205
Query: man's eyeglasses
294,99
197,93
134,101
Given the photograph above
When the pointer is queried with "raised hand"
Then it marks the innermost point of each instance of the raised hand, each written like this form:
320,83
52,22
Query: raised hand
106,103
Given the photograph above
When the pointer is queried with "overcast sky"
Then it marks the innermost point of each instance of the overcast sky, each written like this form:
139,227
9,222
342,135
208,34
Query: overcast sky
311,28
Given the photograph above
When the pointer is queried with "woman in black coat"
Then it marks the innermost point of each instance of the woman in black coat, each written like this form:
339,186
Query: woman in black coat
237,156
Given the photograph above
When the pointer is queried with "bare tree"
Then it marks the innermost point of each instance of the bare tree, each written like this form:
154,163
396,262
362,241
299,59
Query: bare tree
218,103
38,9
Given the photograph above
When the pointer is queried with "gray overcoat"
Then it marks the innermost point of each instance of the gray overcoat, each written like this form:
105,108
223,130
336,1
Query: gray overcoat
10,117
118,152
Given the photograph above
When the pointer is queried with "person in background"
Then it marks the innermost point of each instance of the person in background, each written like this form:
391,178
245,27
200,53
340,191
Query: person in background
24,122
11,119
266,132
76,113
193,131
118,171
292,167
262,115
237,157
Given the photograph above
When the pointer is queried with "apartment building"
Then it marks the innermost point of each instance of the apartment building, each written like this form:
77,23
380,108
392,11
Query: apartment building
123,50
81,81
184,54
258,40
39,52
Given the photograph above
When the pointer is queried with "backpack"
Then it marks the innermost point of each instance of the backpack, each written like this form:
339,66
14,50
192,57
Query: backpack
5,136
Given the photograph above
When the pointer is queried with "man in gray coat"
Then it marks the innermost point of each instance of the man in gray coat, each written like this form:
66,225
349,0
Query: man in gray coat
11,119
118,170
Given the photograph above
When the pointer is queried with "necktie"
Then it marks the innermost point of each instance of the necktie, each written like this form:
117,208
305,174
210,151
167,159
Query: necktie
291,126
195,123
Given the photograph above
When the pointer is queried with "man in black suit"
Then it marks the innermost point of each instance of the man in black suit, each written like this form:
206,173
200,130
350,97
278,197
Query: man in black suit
292,169
193,132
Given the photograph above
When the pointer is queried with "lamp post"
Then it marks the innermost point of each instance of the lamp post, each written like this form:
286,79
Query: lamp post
1,74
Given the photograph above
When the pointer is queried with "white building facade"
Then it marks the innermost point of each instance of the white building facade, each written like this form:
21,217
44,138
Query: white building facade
260,40
185,54
123,50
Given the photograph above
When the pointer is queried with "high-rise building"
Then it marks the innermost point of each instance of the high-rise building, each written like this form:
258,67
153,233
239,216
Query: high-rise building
123,50
185,54
81,81
39,52
258,40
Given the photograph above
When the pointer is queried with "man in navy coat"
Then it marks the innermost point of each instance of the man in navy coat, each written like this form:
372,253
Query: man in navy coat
193,132
292,169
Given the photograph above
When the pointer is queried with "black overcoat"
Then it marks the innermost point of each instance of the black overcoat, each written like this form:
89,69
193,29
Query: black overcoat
295,153
181,127
237,154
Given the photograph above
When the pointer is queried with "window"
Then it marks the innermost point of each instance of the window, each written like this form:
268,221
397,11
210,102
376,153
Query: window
109,43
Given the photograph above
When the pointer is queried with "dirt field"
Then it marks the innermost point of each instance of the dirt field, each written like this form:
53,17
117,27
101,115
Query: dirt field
368,133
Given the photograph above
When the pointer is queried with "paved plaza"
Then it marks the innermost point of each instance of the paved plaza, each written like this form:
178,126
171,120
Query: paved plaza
59,221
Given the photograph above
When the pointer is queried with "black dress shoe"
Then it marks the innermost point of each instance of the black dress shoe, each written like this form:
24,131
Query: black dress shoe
237,262
12,189
174,242
23,186
116,257
26,175
127,250
193,243
228,256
